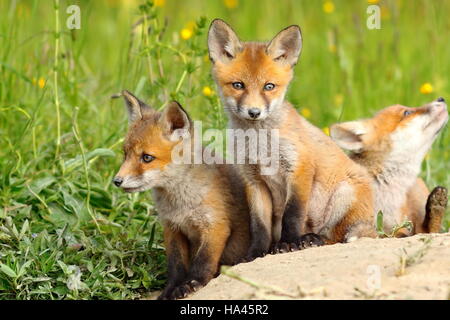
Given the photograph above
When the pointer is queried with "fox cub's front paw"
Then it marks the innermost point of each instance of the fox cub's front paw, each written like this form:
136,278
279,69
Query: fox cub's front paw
283,247
310,240
305,241
185,289
181,291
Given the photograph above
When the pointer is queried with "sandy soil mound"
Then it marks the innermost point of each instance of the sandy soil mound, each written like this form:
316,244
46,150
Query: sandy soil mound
410,268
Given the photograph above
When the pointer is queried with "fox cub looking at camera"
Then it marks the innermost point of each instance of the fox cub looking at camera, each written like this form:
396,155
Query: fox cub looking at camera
201,207
318,189
392,146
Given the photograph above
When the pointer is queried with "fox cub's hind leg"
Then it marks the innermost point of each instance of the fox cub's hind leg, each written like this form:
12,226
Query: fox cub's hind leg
435,209
358,219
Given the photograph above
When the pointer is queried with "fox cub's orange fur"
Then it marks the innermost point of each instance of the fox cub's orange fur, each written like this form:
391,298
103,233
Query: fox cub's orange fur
317,189
392,146
201,207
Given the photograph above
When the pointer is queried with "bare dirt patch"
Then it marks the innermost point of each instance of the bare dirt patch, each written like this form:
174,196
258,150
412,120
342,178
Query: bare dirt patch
416,267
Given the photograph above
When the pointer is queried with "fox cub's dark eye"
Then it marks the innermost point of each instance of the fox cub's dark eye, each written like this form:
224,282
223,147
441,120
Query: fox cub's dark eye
238,85
147,158
269,86
407,113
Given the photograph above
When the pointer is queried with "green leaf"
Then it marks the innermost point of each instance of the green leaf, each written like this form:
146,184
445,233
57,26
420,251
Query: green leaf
72,203
152,236
15,231
24,268
24,229
41,184
380,224
8,271
59,216
63,267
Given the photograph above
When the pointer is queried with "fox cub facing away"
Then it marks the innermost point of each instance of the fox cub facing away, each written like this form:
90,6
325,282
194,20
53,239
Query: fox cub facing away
201,207
392,146
317,190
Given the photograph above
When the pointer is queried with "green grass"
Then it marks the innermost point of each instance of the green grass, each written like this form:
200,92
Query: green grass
62,221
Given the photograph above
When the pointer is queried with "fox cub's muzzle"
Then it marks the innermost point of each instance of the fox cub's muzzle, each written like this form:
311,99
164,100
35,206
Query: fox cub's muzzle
439,108
117,181
438,114
254,113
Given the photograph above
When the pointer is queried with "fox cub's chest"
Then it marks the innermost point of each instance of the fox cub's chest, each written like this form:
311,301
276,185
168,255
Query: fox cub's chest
282,162
190,222
185,213
279,180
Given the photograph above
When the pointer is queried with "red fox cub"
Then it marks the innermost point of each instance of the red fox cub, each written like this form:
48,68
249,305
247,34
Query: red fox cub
317,189
204,215
392,146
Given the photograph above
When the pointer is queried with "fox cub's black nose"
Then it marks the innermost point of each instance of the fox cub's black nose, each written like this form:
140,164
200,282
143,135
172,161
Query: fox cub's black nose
117,181
254,113
440,99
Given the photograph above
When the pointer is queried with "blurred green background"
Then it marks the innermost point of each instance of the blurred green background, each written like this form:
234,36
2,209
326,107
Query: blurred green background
65,232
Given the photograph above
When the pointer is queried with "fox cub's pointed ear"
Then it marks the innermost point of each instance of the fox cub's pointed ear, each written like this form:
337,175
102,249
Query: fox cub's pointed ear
223,43
349,135
286,45
135,107
175,121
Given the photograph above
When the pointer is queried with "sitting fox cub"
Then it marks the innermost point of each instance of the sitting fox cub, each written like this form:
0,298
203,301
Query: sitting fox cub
392,146
201,207
318,189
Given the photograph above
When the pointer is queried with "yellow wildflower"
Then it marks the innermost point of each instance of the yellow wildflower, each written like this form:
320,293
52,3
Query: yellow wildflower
426,88
41,83
186,33
305,112
159,3
231,4
326,130
328,6
373,1
207,91
338,99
